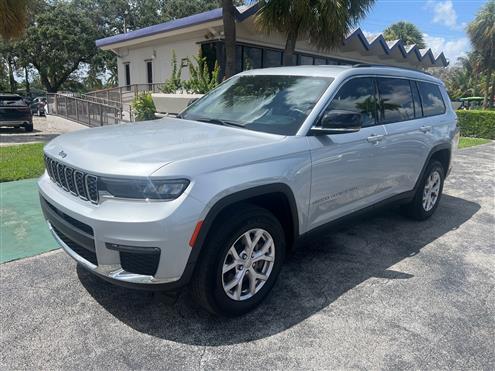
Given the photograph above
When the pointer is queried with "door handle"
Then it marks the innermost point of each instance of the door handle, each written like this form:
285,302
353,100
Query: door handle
425,129
375,138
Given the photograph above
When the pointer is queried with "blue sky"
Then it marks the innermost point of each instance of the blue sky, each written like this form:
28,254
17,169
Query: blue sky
443,22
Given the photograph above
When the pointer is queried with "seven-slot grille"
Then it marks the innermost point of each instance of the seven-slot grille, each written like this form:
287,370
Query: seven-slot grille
74,181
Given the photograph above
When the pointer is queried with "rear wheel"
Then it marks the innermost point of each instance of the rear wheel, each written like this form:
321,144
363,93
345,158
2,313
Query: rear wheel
429,192
240,261
28,127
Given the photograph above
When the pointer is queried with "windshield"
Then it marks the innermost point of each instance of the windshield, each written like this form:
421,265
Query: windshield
11,100
269,103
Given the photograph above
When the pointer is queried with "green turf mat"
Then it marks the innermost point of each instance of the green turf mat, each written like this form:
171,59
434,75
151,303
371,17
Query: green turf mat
23,230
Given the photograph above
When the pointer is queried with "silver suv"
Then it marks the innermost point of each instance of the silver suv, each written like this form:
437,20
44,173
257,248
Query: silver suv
216,197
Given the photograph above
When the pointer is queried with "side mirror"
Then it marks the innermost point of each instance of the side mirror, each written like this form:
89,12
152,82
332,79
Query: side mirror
338,122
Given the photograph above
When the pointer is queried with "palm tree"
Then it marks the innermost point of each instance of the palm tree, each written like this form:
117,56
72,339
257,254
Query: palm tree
406,31
13,18
229,36
482,34
323,22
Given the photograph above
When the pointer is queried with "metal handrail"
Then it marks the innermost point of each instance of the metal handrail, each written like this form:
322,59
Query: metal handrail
84,111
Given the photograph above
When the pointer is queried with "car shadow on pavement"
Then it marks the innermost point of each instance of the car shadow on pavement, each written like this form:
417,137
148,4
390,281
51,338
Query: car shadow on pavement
324,268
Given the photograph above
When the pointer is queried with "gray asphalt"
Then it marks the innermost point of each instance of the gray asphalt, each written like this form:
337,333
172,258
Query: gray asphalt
383,293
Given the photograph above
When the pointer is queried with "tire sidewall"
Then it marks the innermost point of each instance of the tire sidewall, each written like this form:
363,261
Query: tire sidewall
223,303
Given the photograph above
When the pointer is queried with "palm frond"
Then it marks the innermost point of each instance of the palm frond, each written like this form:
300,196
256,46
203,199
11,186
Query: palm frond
13,18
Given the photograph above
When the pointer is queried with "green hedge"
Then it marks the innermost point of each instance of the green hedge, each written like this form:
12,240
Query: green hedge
477,124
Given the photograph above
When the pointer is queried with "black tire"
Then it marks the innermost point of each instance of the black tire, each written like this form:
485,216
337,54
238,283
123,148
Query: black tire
206,285
415,208
28,127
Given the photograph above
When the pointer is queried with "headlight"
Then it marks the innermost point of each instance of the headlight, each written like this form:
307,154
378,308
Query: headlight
143,188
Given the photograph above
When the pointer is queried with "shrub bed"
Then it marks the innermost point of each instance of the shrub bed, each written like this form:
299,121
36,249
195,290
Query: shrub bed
477,124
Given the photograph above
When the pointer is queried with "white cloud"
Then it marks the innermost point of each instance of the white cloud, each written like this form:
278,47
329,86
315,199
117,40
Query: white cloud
370,35
452,49
444,13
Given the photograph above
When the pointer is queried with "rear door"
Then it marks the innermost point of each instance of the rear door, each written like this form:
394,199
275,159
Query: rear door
348,170
407,140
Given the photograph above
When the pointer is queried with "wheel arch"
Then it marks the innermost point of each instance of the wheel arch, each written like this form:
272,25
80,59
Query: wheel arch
441,152
266,196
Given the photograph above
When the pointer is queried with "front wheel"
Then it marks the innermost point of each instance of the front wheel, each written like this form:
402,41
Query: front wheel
428,194
241,261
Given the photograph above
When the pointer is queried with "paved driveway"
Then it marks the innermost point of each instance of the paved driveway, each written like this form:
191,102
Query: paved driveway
384,293
45,128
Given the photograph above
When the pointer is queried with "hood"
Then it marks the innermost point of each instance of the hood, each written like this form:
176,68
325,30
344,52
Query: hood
139,149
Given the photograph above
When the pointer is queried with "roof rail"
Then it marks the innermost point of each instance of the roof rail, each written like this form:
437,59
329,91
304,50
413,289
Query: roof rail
359,65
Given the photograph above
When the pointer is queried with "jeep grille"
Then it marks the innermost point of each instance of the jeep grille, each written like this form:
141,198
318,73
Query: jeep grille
79,183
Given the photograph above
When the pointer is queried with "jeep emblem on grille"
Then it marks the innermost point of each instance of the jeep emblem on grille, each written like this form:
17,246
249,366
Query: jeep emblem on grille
62,154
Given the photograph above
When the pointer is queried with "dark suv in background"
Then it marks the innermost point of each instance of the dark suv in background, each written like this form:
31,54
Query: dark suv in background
15,112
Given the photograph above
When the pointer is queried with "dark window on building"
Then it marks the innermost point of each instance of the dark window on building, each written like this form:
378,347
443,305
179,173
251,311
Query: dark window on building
320,61
209,51
149,72
304,60
418,111
272,58
396,102
251,58
238,58
127,68
431,98
356,95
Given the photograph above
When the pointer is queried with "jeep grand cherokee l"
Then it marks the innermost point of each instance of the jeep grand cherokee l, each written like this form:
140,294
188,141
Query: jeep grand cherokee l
216,197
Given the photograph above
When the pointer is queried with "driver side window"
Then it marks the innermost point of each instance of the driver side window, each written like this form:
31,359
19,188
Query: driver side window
356,96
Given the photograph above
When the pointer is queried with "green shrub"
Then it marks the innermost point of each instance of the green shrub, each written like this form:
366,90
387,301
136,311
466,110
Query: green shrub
174,83
201,80
143,106
477,124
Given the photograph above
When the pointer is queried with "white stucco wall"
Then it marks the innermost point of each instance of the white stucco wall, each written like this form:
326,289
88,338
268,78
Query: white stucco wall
160,53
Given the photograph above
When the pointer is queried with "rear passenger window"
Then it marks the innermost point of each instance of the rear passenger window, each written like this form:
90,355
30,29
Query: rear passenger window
431,98
418,111
356,95
396,102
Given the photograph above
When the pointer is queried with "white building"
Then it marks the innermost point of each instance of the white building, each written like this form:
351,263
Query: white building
144,56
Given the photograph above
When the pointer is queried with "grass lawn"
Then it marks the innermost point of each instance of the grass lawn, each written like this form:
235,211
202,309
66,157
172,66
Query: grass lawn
465,142
21,162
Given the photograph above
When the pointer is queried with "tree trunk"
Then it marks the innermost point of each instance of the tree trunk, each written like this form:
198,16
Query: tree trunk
290,47
492,96
230,37
12,82
486,102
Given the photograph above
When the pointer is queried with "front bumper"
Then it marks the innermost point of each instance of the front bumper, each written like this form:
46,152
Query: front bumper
90,233
15,122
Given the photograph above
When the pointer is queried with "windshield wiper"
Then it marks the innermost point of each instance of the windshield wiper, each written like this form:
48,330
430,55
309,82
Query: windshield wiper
220,122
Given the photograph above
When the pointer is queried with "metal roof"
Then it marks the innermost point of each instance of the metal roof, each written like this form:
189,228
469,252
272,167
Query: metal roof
411,53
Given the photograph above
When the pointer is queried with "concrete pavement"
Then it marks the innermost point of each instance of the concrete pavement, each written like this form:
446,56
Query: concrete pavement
383,293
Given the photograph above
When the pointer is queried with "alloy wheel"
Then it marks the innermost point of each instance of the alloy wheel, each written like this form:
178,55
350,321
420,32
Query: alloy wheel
248,264
431,190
